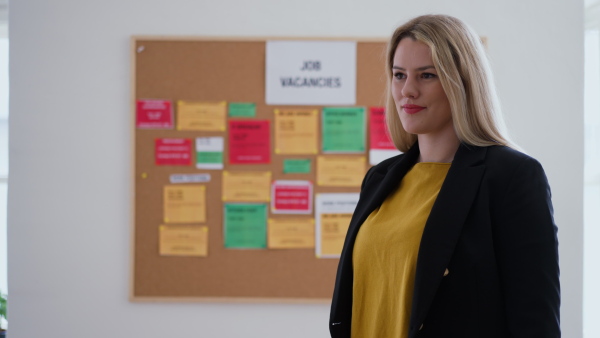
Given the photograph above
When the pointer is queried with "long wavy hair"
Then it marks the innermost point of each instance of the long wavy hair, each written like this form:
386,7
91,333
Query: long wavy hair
462,66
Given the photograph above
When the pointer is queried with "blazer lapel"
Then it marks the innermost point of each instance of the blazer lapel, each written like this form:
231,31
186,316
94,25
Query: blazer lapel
444,226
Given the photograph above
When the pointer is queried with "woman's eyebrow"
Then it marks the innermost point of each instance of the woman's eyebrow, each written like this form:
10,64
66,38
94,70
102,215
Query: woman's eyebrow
419,69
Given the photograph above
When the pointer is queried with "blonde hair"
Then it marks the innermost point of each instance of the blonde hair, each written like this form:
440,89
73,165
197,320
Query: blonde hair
465,75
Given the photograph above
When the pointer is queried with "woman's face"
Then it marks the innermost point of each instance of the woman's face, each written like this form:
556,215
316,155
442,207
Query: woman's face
421,102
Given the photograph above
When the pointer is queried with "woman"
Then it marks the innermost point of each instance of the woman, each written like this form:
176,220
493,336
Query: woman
455,237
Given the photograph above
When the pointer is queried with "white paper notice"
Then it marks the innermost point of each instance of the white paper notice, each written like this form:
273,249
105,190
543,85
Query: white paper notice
189,178
378,155
311,72
209,153
332,217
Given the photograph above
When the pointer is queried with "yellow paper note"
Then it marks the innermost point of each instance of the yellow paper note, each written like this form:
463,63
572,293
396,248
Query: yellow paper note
340,171
291,233
333,233
296,131
246,186
185,203
206,116
181,240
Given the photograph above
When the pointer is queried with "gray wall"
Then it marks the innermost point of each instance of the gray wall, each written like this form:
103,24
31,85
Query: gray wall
70,154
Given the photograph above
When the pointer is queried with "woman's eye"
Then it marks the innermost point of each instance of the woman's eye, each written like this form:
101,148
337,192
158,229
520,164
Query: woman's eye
428,75
399,76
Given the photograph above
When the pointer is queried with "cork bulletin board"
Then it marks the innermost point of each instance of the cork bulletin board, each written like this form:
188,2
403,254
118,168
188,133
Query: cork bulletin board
223,71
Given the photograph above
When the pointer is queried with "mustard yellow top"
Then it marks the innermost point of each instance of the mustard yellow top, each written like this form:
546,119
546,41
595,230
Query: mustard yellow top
385,254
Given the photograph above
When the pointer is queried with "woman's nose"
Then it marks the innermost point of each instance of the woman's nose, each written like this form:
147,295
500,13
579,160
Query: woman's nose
410,88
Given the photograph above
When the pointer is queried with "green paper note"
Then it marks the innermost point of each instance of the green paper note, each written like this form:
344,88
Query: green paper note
296,166
209,157
344,130
242,109
245,226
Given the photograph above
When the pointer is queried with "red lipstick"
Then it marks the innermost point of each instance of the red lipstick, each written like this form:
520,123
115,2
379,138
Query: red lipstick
412,108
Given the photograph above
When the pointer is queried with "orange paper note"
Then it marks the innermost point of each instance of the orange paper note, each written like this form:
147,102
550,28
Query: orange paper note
340,171
291,233
184,203
246,186
206,116
182,240
296,131
333,232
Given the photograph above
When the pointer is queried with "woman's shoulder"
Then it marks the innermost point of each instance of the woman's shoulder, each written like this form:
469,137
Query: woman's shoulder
508,156
504,160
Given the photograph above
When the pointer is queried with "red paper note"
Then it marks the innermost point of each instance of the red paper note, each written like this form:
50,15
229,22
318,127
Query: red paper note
249,142
173,151
379,135
154,114
291,197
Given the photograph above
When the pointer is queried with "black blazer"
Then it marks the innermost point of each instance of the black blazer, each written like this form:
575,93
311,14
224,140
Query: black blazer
488,258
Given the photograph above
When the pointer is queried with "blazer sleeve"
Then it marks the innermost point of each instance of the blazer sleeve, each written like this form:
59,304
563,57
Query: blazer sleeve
526,244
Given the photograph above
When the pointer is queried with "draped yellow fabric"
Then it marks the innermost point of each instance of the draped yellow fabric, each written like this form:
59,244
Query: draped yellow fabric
385,254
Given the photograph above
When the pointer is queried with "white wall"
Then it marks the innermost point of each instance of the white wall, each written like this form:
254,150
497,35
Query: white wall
70,152
3,153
